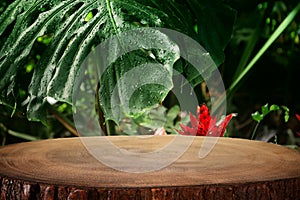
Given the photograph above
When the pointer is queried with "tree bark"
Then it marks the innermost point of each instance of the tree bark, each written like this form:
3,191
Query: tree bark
234,169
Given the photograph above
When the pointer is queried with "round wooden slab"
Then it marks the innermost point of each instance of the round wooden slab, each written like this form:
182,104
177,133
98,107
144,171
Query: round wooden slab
234,169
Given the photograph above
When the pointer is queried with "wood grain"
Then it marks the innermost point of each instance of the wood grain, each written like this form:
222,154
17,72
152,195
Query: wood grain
234,169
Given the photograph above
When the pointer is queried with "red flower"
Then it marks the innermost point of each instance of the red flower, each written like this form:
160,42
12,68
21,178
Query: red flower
298,117
205,125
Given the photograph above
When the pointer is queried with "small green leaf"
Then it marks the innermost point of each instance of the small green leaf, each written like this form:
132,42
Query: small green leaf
265,110
286,113
274,107
285,108
173,112
257,116
286,117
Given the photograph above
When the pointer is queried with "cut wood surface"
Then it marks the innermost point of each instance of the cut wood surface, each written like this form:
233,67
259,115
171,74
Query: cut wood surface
64,169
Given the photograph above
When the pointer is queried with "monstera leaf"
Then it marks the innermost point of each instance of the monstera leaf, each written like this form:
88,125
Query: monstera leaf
76,27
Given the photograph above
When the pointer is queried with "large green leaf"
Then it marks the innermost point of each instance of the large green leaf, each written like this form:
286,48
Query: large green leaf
215,20
75,27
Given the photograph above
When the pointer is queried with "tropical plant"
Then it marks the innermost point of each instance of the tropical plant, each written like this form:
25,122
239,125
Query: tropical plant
44,42
265,110
205,125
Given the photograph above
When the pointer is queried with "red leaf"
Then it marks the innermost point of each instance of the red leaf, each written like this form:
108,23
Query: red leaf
298,117
193,120
187,130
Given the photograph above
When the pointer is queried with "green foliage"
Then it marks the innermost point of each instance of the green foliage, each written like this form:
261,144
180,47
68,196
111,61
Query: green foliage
153,120
212,32
243,69
69,29
257,116
265,110
145,96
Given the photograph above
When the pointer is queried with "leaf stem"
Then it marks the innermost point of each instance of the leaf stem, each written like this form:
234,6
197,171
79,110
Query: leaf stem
254,131
64,121
111,16
101,119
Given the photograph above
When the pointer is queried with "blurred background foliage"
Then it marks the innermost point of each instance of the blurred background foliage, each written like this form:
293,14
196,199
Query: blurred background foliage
273,79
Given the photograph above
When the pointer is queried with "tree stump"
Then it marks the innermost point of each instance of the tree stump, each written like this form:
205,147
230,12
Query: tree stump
234,169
